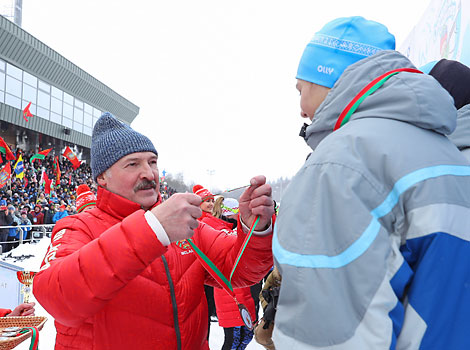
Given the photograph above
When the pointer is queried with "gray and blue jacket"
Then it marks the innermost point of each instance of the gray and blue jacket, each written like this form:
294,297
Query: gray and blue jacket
372,238
461,136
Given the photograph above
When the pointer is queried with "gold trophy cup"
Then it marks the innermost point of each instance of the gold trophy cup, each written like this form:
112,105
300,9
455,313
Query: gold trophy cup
26,278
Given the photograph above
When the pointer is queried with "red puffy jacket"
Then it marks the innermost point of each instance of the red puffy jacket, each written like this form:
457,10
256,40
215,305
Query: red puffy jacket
110,284
4,312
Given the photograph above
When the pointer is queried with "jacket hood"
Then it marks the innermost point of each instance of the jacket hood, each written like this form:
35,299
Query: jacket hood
461,136
408,97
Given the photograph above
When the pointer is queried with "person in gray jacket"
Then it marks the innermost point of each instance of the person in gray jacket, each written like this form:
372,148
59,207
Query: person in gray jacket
372,238
455,78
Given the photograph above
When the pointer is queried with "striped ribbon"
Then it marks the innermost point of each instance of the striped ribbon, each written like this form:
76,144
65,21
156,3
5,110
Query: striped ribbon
366,91
214,271
34,336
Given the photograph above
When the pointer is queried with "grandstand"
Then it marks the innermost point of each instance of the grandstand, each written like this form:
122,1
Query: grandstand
65,101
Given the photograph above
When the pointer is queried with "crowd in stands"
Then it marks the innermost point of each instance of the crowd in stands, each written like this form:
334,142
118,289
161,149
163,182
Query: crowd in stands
26,202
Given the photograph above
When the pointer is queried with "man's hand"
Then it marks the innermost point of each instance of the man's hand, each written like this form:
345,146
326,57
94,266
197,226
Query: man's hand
257,200
178,215
25,309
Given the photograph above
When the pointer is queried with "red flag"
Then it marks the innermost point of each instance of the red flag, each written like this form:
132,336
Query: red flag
72,157
47,185
25,182
40,155
57,170
5,174
6,150
27,113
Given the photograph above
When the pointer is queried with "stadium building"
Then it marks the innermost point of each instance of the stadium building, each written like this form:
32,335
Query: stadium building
65,100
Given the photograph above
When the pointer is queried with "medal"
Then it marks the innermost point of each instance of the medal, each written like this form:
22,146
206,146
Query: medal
245,316
221,279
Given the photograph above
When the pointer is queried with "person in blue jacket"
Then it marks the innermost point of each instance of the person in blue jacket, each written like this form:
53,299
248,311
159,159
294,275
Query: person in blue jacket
62,213
24,222
13,231
372,238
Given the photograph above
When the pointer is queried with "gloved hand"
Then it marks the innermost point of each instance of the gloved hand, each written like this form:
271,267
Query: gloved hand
271,295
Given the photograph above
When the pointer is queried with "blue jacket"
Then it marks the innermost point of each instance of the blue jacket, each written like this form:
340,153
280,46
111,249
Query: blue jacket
373,234
25,229
59,215
13,231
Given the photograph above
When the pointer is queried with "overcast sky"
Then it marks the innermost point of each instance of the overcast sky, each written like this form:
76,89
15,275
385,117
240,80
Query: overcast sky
214,80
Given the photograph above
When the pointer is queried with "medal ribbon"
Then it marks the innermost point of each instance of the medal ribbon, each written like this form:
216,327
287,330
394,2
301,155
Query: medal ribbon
34,336
366,91
214,271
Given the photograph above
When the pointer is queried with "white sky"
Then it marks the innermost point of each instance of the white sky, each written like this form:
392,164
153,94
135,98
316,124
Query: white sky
214,80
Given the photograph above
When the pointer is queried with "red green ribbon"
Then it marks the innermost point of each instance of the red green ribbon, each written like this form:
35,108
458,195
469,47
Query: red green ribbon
34,336
214,271
370,88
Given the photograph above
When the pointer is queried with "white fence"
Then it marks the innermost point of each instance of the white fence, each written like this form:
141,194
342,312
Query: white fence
39,230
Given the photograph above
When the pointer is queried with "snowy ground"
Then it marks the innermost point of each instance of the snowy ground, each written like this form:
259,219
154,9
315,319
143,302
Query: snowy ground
47,335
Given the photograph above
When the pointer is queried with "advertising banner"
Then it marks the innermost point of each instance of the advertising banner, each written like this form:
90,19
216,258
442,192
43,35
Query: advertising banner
10,287
442,32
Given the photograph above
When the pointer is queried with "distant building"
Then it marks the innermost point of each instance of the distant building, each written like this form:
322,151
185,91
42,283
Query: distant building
65,100
12,10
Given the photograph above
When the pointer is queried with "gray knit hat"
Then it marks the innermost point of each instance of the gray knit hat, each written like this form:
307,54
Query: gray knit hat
111,140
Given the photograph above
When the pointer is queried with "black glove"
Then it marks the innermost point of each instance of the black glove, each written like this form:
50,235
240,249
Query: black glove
271,296
14,223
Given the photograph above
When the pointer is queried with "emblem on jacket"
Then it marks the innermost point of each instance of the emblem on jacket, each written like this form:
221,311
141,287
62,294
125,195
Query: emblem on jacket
52,250
183,244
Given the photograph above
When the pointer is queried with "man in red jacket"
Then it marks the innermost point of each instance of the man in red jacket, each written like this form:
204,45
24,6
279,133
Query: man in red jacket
122,275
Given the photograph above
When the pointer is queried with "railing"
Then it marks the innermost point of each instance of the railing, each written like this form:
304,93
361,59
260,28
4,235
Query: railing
34,228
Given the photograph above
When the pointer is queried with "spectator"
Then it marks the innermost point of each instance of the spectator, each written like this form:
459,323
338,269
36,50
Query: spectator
38,215
48,215
86,199
62,213
24,221
5,220
455,78
206,206
41,199
13,231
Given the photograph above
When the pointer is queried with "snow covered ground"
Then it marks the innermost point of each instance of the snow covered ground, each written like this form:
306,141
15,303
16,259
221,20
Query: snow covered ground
47,335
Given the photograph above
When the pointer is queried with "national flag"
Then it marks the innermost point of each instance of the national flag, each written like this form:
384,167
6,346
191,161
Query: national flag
72,157
19,168
26,112
47,185
6,150
40,155
57,170
5,174
25,182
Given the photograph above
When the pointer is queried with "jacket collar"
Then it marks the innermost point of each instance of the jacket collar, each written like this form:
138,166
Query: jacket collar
117,206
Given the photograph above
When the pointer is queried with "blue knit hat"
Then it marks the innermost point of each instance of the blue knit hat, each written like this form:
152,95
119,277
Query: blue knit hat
111,140
339,44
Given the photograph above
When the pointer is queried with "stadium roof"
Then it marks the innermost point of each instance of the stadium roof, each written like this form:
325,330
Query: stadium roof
28,53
